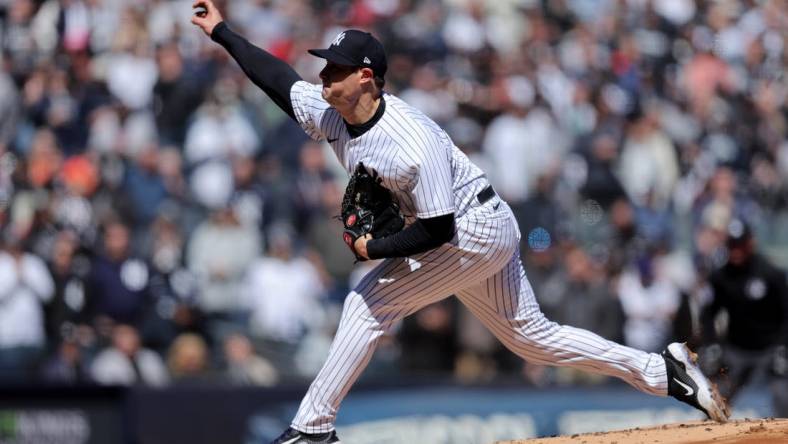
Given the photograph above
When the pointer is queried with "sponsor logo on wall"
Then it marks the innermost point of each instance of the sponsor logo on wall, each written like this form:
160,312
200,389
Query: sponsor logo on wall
44,427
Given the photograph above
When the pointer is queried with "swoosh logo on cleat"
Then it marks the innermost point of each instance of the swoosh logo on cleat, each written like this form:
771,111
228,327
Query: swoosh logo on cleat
689,389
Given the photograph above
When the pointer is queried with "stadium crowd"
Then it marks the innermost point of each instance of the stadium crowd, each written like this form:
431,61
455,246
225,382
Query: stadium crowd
164,223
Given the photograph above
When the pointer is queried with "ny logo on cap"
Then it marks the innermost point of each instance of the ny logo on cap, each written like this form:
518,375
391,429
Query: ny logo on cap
338,39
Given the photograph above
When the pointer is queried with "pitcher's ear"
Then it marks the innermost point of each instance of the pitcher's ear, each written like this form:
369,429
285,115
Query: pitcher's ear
367,73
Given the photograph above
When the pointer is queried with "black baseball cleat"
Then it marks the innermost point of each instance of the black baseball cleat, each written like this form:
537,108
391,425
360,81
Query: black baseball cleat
293,436
688,384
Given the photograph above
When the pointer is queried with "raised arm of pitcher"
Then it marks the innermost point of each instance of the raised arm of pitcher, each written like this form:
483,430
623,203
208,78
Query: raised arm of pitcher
272,75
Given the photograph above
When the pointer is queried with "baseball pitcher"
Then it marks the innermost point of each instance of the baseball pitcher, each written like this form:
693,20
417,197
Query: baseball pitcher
457,236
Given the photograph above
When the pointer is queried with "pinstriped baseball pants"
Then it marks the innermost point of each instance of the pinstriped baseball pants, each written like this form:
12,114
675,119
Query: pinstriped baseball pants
482,268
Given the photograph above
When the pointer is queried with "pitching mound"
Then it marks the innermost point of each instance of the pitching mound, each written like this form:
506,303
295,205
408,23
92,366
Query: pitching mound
750,431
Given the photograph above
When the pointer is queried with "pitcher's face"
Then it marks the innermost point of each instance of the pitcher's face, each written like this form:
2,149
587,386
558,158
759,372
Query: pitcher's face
340,82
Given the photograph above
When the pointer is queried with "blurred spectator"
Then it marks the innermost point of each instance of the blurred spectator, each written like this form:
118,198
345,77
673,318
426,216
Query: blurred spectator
60,110
522,143
654,221
173,288
9,110
724,201
19,43
283,290
126,362
70,271
540,211
44,159
187,360
428,95
170,167
131,71
277,182
219,252
324,234
118,282
71,206
601,183
144,185
250,198
314,347
25,285
115,131
429,340
244,366
176,95
220,128
578,295
622,239
211,185
308,185
649,301
479,351
67,366
648,164
754,295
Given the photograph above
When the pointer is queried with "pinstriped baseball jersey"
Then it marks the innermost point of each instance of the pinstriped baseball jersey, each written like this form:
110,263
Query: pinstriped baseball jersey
481,265
417,160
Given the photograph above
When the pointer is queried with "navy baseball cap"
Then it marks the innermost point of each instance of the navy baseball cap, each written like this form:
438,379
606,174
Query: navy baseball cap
739,233
355,48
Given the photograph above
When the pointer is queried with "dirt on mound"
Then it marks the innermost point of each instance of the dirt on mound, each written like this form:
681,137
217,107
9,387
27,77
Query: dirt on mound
748,431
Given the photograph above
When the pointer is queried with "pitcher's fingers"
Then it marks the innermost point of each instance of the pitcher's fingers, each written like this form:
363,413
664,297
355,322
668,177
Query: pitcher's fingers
207,4
196,20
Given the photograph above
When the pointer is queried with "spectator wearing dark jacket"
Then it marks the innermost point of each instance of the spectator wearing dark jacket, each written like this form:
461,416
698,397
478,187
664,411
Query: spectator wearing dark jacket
753,292
118,282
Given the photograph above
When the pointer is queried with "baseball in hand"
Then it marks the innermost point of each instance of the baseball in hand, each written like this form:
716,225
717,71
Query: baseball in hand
206,15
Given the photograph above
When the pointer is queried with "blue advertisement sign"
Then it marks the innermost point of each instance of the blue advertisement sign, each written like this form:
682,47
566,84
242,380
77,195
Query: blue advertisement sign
457,415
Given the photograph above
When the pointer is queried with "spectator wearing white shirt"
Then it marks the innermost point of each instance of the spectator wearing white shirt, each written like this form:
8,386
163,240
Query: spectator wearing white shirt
650,302
25,285
521,143
283,291
648,164
126,362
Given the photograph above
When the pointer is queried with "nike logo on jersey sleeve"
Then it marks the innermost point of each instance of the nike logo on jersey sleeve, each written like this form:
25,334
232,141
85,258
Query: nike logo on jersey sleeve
332,140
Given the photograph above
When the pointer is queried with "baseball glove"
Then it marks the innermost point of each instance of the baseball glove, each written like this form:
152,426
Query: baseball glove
368,208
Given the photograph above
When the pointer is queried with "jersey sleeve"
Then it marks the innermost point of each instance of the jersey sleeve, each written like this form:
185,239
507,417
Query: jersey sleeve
432,192
309,108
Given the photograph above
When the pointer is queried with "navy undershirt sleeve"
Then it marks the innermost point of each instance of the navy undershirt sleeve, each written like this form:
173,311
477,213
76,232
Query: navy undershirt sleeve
271,74
419,237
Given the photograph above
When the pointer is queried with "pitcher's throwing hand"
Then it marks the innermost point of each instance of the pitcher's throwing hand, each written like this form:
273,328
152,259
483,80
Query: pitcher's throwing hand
207,16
